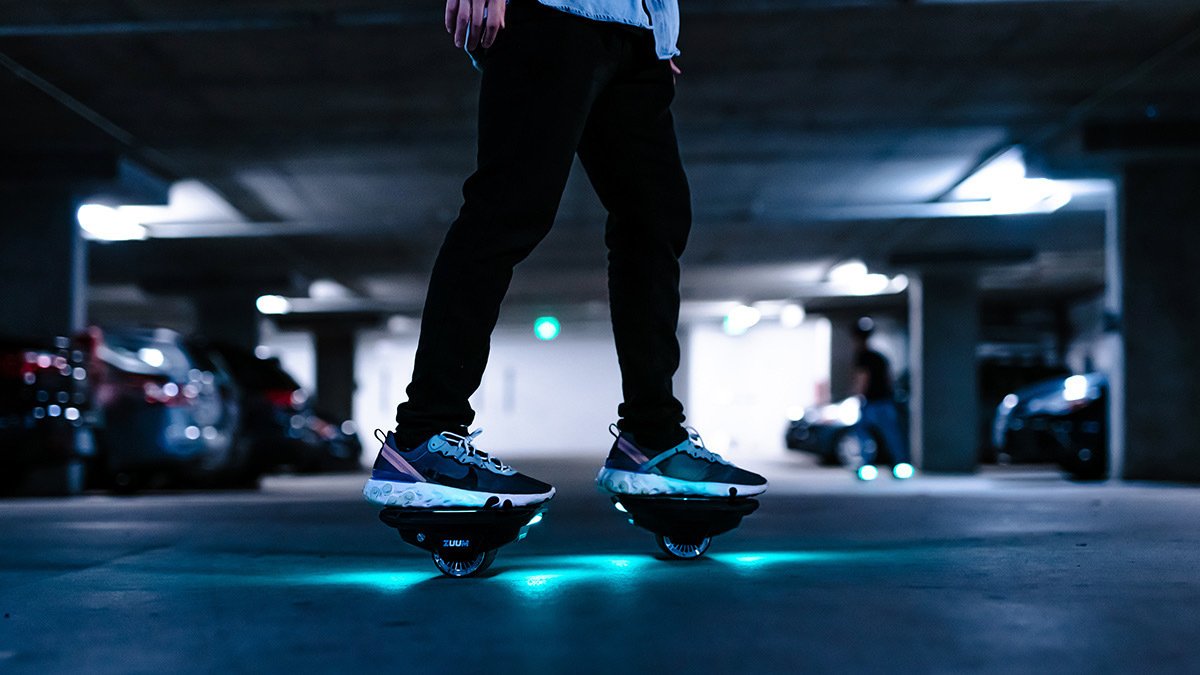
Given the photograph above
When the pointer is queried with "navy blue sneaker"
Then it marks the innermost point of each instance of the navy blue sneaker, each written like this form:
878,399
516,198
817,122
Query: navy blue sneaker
448,471
688,469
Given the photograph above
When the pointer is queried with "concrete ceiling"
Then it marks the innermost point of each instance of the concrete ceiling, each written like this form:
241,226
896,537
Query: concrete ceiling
341,130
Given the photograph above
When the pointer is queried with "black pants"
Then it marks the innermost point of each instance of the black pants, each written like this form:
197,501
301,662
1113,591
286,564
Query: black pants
554,85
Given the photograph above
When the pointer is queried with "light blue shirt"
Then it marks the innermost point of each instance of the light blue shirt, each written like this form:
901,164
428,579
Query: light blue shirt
662,17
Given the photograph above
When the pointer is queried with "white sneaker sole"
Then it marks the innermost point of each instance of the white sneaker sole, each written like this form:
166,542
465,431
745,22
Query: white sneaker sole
620,482
432,495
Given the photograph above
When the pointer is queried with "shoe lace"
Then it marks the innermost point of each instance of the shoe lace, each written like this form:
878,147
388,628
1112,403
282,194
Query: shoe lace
462,448
697,449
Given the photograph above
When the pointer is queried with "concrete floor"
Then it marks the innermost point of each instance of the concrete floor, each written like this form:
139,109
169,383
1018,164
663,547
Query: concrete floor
1004,572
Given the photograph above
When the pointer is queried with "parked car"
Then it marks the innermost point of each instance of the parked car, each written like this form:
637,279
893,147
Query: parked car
45,415
279,425
826,432
999,377
166,415
1064,419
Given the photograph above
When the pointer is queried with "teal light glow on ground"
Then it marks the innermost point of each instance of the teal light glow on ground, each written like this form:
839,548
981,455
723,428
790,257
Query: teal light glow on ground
760,561
556,573
385,581
542,577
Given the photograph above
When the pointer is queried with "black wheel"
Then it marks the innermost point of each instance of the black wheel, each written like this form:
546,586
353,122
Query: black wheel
682,550
464,567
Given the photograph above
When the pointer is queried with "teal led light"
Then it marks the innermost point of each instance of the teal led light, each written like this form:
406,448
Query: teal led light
379,580
868,472
903,470
546,328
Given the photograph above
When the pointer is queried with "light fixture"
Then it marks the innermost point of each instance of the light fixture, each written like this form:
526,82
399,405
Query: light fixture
546,328
273,304
1003,184
104,223
398,324
848,272
792,315
328,289
741,319
870,284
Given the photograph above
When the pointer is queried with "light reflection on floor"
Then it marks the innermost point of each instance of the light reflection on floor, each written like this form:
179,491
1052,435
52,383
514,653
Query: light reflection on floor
528,576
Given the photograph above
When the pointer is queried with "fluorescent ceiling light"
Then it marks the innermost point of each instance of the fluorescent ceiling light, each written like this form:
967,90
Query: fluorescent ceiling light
1005,186
104,223
741,319
188,202
848,272
871,284
273,304
328,289
791,316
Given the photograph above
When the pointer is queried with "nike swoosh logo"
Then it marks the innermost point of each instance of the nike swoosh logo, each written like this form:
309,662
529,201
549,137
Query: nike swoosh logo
466,481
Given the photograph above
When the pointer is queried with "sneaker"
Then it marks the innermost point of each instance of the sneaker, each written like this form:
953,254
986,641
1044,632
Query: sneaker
448,471
688,469
867,473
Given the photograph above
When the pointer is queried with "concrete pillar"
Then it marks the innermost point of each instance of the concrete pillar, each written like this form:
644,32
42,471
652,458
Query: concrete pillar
842,348
1157,252
335,373
227,315
42,263
944,325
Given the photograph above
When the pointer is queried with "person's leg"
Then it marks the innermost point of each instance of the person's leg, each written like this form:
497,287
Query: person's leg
888,421
539,80
867,431
631,155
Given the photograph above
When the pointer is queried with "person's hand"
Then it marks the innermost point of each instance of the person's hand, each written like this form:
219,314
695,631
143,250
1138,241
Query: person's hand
483,18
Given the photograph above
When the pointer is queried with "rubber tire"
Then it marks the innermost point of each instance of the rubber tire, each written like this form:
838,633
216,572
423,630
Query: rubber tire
672,549
461,570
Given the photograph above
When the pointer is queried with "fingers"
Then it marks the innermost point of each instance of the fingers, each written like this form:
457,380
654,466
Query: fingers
462,20
495,21
451,12
477,8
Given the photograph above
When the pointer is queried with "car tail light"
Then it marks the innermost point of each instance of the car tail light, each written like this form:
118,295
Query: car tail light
323,429
157,390
27,366
286,398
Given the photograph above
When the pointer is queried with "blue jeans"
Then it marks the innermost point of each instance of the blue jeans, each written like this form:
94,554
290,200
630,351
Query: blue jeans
880,425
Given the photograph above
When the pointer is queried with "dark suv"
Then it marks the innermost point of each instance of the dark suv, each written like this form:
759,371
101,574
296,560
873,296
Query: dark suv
1064,419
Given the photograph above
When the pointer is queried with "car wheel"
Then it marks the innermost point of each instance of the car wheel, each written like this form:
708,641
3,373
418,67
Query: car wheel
849,449
1085,463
